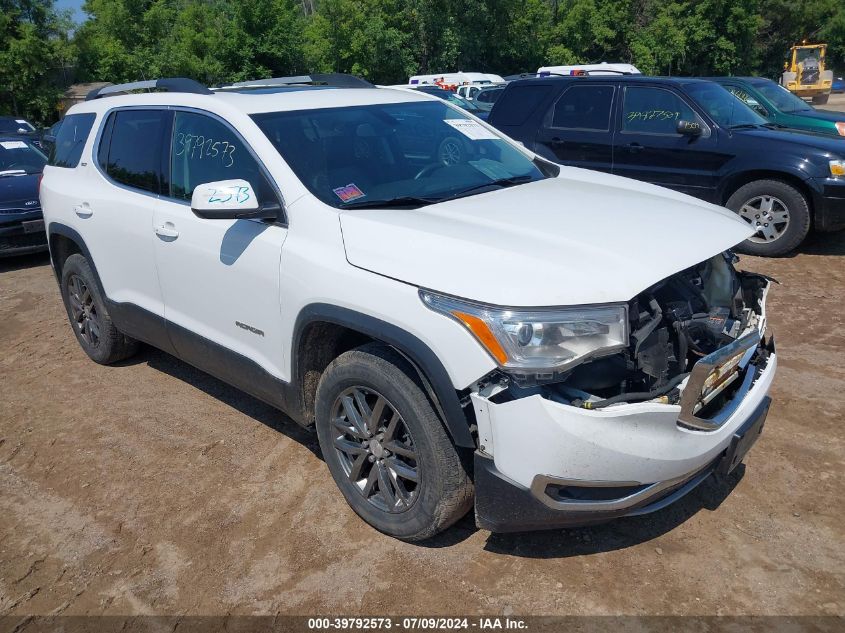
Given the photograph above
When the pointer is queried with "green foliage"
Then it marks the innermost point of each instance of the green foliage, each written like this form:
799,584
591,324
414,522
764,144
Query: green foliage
385,41
35,51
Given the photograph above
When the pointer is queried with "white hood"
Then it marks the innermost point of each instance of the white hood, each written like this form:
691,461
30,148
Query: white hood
584,237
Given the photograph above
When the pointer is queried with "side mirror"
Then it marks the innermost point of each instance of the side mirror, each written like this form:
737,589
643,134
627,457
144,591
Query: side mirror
689,128
22,130
230,200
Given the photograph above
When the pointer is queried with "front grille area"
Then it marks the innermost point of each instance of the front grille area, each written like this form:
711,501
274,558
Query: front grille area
29,209
22,241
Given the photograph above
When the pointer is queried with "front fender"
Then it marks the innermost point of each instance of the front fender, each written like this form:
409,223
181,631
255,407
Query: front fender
431,371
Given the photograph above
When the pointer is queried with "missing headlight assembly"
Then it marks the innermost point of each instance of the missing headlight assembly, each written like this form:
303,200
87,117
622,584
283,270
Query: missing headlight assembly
669,328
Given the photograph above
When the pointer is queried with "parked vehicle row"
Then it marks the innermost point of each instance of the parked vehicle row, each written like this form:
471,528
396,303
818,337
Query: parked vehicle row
21,223
459,331
690,135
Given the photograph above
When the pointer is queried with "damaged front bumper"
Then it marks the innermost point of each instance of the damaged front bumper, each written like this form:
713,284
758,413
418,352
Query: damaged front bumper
543,464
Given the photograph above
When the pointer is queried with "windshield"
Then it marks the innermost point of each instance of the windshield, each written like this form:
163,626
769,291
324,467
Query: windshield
722,106
20,157
811,54
459,101
13,125
427,151
780,97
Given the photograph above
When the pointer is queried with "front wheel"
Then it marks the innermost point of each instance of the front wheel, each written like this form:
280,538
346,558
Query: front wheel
821,99
777,211
386,448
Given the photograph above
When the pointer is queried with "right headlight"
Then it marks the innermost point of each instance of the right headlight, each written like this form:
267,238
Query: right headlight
545,339
837,167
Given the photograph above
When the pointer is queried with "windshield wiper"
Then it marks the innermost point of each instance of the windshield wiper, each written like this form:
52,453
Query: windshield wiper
417,201
775,126
501,182
744,126
401,201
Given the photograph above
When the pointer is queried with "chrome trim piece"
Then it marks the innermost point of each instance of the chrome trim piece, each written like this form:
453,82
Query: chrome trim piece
691,397
673,497
541,482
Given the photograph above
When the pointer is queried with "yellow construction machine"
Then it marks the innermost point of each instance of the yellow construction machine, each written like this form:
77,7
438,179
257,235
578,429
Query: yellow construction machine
804,73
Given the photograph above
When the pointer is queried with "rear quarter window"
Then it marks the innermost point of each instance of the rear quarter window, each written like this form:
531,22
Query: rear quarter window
131,148
517,103
70,140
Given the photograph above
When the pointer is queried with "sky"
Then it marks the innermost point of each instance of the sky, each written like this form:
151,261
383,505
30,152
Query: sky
75,6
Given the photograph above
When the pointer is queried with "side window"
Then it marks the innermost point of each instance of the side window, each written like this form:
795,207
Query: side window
205,150
73,132
131,148
585,107
648,110
520,103
490,96
748,100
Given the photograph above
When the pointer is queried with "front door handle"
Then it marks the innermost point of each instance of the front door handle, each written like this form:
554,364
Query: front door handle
634,147
557,141
83,210
167,231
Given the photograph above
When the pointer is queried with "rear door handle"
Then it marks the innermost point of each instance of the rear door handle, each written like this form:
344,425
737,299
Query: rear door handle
557,141
634,147
167,231
83,210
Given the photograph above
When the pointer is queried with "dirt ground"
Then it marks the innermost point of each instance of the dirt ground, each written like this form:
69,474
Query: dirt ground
151,488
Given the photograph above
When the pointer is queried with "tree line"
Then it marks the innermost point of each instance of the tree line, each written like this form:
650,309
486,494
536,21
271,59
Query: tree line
385,41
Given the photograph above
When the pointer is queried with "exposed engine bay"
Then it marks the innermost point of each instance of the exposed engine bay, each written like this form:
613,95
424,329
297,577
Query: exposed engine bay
672,325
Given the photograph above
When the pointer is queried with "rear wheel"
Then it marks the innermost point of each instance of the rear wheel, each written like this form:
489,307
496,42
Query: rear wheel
89,318
386,448
777,211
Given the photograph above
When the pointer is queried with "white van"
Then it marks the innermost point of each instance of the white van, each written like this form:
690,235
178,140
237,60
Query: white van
594,69
459,78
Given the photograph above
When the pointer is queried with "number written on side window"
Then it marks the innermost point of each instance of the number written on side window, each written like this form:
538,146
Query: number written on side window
197,146
205,150
652,110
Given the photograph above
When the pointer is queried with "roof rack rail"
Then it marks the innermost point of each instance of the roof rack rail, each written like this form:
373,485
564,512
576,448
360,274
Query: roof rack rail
334,80
169,84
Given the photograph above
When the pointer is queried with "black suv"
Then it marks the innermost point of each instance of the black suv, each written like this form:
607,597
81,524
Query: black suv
690,135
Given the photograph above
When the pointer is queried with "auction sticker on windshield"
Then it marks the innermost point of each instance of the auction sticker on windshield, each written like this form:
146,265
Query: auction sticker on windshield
13,144
472,129
348,193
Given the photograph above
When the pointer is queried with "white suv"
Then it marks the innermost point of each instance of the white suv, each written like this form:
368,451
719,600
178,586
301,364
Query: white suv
557,346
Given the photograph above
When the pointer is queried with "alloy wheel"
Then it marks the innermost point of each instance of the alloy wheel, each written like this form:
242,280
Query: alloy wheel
768,215
450,152
84,313
375,449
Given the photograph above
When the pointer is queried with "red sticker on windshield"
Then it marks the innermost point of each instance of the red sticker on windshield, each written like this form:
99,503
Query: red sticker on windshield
348,193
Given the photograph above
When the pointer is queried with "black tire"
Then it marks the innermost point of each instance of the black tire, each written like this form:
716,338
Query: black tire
821,99
103,342
783,195
443,492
